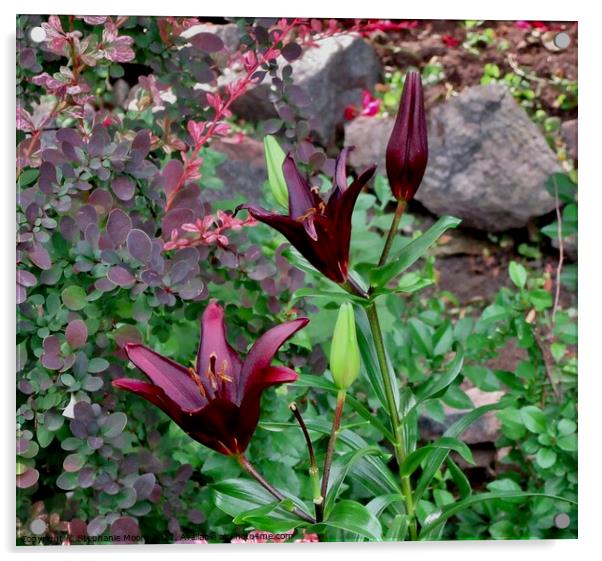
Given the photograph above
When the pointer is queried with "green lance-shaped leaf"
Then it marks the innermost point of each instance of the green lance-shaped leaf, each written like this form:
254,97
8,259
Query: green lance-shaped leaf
436,459
434,520
274,158
238,496
356,518
412,251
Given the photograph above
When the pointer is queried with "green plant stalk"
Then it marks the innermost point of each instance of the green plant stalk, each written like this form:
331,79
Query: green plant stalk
399,444
401,206
336,424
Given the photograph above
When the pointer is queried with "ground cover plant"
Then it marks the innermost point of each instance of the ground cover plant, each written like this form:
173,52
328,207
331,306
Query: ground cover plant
201,365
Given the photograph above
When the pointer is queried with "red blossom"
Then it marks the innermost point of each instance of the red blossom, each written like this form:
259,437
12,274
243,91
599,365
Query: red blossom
320,230
217,401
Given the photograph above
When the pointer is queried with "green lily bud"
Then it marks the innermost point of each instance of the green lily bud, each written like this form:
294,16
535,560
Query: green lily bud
344,351
274,158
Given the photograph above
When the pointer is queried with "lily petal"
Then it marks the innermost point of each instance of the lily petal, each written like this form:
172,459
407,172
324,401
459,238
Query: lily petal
171,377
341,213
151,393
300,197
262,352
340,168
215,427
215,352
321,254
250,405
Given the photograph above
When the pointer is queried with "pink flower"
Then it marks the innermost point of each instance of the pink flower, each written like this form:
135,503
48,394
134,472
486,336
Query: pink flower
450,41
370,107
116,48
308,537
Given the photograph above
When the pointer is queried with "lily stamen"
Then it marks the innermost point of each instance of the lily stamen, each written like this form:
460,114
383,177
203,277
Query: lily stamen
210,373
197,380
222,372
305,216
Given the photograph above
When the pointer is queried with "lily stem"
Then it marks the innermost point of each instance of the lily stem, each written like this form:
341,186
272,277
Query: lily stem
314,472
401,206
399,444
250,469
336,425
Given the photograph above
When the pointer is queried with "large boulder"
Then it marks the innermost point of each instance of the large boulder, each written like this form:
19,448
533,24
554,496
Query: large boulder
333,74
243,171
488,161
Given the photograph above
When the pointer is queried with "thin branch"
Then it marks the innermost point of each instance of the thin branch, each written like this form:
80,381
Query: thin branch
560,252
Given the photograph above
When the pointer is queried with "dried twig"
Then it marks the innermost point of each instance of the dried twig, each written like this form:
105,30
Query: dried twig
560,252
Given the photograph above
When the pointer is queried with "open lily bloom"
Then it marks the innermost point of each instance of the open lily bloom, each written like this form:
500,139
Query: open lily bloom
320,230
217,402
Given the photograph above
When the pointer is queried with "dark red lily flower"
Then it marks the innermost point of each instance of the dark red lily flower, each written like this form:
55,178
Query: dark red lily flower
407,151
217,402
320,230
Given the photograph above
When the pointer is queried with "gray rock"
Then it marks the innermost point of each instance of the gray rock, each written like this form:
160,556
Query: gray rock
333,75
568,131
487,160
243,172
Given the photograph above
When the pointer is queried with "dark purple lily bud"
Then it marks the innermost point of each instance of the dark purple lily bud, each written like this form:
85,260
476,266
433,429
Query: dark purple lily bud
407,151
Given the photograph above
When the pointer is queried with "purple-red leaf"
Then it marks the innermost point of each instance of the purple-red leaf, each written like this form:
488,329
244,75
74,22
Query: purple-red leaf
208,42
291,52
119,225
76,333
139,245
172,173
123,187
121,277
40,257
